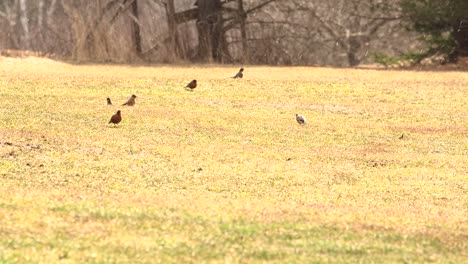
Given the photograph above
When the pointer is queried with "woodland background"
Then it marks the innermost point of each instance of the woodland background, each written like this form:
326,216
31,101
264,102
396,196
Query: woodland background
273,32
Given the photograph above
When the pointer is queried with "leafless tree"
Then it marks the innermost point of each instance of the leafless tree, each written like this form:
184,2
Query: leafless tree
293,32
29,24
338,28
214,18
352,23
93,29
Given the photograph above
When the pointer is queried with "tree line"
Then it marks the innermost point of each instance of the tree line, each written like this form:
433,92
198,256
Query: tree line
275,32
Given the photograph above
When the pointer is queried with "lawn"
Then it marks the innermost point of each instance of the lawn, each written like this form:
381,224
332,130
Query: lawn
224,173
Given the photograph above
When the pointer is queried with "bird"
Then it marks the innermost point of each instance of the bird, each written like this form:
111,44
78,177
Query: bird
240,74
131,101
192,85
300,119
116,118
109,101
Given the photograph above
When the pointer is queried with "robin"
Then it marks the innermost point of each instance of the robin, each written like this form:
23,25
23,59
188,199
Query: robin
240,74
300,119
131,101
109,101
116,118
192,85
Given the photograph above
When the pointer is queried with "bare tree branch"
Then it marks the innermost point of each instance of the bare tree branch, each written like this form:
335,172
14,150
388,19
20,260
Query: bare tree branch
51,8
123,7
255,8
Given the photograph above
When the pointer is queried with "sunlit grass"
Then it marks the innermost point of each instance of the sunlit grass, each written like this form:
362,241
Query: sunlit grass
224,173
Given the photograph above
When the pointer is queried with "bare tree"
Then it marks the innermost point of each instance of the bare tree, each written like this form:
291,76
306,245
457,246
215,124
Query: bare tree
242,17
24,19
210,31
214,18
27,20
93,25
349,24
173,32
295,32
136,28
9,12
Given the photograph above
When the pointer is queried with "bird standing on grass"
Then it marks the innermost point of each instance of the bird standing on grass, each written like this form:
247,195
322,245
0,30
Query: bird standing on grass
131,101
240,74
192,85
300,119
116,118
109,101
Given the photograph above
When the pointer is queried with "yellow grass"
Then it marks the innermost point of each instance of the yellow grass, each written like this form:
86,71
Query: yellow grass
185,172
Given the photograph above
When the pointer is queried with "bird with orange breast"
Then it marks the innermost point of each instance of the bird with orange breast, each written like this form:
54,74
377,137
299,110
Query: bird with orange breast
192,85
131,101
116,118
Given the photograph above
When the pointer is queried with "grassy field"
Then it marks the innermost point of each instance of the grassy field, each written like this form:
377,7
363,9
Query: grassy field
224,173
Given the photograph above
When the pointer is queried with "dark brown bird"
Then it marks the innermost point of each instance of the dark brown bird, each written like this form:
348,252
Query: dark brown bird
300,119
109,101
240,74
116,118
192,85
131,101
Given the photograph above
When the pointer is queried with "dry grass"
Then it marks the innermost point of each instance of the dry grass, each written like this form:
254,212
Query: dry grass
224,173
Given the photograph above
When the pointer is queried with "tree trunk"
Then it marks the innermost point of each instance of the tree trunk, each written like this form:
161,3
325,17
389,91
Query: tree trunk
25,23
242,17
173,33
40,14
210,31
354,44
136,29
